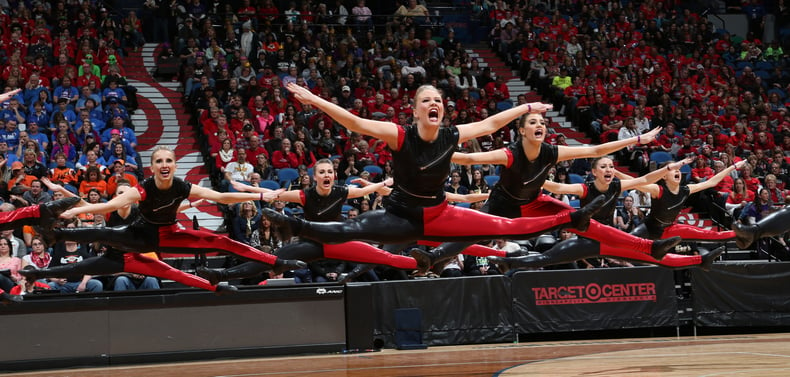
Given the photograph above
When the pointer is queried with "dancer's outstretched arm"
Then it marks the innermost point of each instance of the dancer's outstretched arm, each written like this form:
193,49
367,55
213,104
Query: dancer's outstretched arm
564,188
495,122
569,153
7,95
466,198
369,188
198,192
129,197
495,157
386,131
629,182
713,181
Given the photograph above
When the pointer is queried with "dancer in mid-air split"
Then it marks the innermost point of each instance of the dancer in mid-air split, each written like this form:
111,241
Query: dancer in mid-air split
156,229
321,202
605,183
417,209
115,260
526,165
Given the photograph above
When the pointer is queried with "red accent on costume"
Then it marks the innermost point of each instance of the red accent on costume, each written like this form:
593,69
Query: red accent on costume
669,260
690,232
546,205
401,137
473,250
174,237
446,220
142,192
301,197
509,157
361,252
140,264
21,214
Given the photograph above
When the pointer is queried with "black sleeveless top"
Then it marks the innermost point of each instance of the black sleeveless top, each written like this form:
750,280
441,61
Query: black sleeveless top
324,208
160,207
665,209
421,168
606,214
521,180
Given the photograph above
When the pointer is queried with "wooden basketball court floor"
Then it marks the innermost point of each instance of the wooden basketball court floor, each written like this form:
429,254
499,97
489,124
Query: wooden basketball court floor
725,355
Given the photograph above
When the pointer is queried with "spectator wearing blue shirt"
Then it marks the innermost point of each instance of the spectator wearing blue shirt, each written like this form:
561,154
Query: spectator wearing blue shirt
34,133
127,134
67,114
113,90
65,90
37,114
98,125
85,94
14,111
32,88
113,110
10,133
9,157
116,138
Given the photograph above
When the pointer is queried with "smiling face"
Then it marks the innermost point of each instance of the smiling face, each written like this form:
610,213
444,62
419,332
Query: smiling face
163,165
533,128
429,109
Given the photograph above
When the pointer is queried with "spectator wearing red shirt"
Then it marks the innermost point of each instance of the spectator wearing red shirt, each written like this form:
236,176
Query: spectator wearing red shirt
752,183
284,157
701,171
739,198
725,185
498,89
763,141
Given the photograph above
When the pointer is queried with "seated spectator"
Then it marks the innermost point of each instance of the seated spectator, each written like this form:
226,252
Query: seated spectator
739,198
62,145
90,157
63,174
701,171
120,174
93,180
10,263
262,167
285,158
39,257
238,170
72,252
245,222
127,135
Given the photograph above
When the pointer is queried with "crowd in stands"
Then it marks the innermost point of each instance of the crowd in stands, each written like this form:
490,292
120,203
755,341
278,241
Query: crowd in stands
615,70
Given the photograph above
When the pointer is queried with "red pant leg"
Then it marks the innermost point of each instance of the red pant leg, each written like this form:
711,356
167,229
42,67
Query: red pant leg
16,218
546,205
484,251
361,252
450,222
695,233
615,237
192,241
669,260
473,250
140,264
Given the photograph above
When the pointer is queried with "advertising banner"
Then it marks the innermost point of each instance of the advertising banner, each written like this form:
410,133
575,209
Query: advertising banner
598,299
